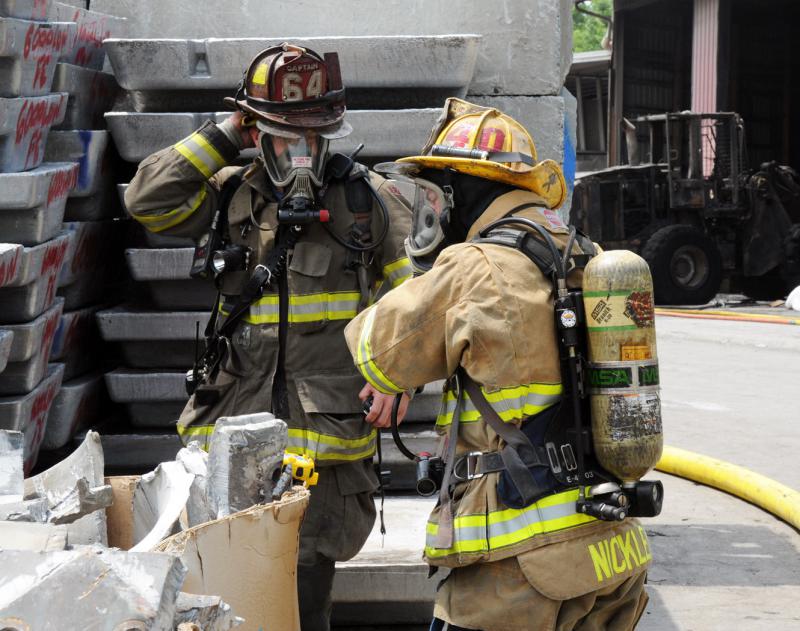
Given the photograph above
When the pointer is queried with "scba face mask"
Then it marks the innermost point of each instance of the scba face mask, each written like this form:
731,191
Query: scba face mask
295,162
431,204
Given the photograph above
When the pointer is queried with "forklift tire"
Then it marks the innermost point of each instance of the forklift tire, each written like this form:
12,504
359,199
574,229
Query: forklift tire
686,265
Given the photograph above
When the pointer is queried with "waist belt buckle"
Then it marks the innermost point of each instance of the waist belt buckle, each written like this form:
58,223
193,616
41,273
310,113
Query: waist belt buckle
471,461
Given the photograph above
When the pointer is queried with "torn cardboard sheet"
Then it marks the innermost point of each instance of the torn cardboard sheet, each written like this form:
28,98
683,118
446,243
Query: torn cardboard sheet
90,588
158,503
245,453
249,559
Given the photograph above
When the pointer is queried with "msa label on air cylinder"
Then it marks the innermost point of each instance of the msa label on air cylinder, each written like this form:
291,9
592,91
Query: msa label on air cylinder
621,376
618,310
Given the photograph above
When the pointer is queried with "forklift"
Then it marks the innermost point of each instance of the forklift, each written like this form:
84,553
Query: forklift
687,203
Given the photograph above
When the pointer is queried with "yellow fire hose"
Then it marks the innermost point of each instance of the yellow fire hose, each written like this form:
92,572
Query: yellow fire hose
772,496
711,314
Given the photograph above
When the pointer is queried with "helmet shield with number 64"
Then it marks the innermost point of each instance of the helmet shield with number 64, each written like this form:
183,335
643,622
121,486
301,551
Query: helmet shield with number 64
288,89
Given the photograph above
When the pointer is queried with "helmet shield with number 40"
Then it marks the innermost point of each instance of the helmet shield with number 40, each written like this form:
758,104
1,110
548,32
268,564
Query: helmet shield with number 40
288,89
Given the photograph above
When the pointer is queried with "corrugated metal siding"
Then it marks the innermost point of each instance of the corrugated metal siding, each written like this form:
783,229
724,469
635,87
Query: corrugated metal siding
704,55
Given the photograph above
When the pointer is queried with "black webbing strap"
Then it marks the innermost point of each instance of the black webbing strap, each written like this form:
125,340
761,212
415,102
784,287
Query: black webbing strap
263,277
518,453
446,531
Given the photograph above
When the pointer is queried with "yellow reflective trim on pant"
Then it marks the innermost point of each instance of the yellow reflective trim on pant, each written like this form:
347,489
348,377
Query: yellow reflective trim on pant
483,533
303,308
397,272
325,447
201,153
365,363
157,223
196,433
511,404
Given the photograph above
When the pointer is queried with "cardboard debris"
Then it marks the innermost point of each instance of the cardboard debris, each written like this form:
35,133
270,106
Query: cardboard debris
119,516
207,613
245,453
89,588
59,483
158,503
11,448
249,559
35,537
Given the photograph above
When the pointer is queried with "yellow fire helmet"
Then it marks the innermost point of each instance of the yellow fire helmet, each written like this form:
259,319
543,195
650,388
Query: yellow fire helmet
486,143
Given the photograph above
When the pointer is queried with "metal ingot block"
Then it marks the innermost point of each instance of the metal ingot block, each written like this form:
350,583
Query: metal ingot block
28,413
86,147
92,28
34,286
30,352
385,133
77,405
28,54
150,398
6,340
91,94
77,342
10,257
32,203
24,125
154,339
25,9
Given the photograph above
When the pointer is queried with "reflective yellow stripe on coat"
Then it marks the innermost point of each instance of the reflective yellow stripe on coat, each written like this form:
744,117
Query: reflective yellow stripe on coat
366,365
201,153
484,533
397,272
341,305
326,448
320,447
511,404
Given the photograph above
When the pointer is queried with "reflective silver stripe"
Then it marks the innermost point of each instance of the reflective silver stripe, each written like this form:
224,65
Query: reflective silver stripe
326,447
303,308
365,363
157,223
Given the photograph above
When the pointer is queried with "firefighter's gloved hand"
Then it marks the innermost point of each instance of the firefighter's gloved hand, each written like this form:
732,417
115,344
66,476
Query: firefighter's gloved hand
380,413
239,127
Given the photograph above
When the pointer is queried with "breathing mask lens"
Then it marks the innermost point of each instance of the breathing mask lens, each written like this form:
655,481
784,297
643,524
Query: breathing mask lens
285,157
426,239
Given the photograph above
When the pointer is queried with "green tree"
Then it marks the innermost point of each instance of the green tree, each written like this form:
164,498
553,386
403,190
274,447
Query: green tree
588,31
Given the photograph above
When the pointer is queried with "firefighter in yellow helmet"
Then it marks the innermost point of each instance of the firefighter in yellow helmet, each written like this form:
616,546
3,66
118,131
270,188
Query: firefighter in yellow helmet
297,243
523,555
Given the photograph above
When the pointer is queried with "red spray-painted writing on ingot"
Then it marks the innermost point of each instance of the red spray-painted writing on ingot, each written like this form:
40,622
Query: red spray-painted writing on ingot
51,266
50,328
34,118
44,38
91,34
61,184
8,269
40,9
34,433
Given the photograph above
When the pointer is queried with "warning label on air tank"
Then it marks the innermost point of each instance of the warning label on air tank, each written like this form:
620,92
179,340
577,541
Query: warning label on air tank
618,310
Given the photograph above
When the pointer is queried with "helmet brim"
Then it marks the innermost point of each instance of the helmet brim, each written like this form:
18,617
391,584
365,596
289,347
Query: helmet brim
330,125
544,178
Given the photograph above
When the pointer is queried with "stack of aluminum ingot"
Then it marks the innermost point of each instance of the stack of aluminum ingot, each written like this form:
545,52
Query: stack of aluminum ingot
41,91
94,265
33,195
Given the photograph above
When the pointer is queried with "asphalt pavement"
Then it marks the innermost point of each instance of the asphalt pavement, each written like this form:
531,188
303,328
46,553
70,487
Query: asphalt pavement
730,390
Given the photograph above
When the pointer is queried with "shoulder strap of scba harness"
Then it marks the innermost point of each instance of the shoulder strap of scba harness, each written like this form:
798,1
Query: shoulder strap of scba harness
546,456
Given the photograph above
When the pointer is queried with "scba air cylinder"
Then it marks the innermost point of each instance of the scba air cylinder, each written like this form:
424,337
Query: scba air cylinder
623,364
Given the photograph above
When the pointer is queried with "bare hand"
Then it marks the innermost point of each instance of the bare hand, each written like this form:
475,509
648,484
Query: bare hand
380,413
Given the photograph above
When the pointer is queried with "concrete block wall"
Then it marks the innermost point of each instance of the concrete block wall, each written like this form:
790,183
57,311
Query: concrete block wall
45,85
